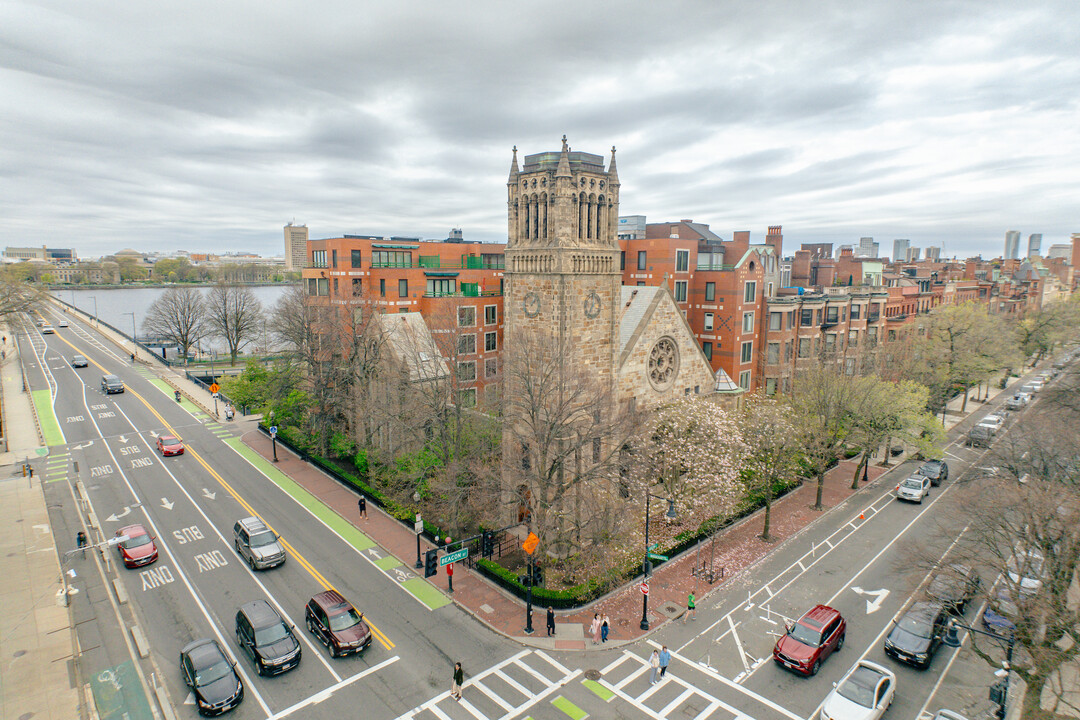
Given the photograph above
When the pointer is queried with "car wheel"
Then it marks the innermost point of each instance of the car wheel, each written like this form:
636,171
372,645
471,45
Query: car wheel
840,642
815,668
310,626
332,648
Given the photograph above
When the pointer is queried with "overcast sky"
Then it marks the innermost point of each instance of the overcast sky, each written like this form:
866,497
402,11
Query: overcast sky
209,125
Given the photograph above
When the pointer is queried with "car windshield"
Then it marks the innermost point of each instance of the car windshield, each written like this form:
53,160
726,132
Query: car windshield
213,673
167,440
913,483
271,634
916,625
136,541
859,687
79,358
344,620
805,635
263,538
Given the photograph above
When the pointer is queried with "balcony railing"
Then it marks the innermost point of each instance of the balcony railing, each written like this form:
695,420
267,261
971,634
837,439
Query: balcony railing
462,293
710,265
873,317
392,264
434,262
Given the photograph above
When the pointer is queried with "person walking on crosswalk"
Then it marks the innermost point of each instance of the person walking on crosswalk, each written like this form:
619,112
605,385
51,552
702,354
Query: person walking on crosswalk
459,679
654,663
665,660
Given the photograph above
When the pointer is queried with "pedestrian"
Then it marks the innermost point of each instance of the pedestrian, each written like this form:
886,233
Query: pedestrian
654,663
362,503
133,358
455,684
80,542
691,608
550,621
665,660
595,629
605,624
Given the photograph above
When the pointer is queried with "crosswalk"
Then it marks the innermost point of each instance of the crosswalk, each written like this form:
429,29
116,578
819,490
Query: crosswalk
531,685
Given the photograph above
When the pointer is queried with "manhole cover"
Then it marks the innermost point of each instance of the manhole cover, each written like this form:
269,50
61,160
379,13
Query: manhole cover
18,653
592,674
26,716
670,610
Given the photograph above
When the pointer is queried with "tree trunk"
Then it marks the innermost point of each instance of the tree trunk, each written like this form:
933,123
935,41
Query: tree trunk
820,490
768,512
888,452
859,470
963,407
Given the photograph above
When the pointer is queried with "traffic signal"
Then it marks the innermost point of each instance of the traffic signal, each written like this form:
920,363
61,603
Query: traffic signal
431,563
487,543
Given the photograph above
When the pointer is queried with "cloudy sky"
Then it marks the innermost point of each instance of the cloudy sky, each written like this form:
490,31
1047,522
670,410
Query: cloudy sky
208,125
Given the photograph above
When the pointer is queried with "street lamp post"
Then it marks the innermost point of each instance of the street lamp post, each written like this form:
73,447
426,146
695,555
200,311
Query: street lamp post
94,298
952,640
647,566
419,527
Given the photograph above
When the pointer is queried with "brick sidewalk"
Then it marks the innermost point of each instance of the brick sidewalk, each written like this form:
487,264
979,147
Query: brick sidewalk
737,548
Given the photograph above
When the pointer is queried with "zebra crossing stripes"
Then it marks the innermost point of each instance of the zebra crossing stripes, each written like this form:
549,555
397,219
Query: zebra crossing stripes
502,691
625,677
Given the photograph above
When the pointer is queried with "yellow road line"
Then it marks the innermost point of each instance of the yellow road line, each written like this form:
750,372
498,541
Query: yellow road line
386,642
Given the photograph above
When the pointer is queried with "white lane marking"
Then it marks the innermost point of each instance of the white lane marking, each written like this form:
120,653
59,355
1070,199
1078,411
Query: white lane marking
494,697
738,644
471,708
562,669
735,686
677,702
513,683
324,694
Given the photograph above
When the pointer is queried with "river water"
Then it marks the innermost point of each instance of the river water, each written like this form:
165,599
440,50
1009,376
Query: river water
117,305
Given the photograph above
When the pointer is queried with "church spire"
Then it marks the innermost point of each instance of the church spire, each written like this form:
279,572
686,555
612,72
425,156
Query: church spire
613,174
514,167
564,161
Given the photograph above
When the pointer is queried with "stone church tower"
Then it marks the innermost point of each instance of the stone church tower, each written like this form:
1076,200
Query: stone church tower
562,277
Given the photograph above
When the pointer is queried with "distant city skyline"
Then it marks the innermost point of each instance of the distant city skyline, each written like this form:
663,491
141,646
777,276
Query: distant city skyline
938,122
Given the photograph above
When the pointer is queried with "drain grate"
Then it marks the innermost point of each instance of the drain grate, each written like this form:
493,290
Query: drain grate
592,674
670,610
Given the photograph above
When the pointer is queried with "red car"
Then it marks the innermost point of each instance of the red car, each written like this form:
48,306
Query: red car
168,445
337,624
810,640
139,548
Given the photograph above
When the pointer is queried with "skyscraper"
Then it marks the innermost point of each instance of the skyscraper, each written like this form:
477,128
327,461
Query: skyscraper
296,237
913,254
1012,245
1034,244
899,250
933,252
867,248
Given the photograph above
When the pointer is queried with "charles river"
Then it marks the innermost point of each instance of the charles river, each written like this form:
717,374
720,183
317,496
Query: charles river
117,306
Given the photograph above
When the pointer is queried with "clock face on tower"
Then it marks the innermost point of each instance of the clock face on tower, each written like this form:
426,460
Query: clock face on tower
531,306
592,305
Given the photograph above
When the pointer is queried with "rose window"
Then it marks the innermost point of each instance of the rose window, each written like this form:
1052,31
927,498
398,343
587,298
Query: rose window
663,363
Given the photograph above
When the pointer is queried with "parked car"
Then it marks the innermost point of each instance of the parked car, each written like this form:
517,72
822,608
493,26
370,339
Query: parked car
336,623
994,422
138,549
979,436
865,693
998,615
48,330
266,638
169,445
1033,386
1026,571
257,544
913,488
78,361
944,714
810,640
111,384
212,677
954,587
1016,402
936,470
915,637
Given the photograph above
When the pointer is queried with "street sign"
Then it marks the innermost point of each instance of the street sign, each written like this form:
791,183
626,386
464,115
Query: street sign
418,527
644,588
530,543
214,395
652,547
214,388
273,429
658,556
454,556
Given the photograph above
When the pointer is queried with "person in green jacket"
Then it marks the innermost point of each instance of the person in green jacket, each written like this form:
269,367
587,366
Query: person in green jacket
691,608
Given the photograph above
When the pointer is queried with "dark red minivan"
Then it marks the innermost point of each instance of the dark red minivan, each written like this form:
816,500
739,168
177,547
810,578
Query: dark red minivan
336,623
810,640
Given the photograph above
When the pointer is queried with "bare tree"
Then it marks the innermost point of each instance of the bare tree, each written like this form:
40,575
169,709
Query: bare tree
773,446
233,314
16,298
178,315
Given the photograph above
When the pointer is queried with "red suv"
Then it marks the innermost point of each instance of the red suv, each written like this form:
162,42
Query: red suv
336,623
810,640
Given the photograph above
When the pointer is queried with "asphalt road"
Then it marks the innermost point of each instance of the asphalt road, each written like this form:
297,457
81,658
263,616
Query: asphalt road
857,558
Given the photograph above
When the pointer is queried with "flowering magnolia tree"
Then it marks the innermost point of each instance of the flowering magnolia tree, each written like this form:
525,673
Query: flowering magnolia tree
768,427
691,455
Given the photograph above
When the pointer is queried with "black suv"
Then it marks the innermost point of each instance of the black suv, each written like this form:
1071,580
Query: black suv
917,635
210,674
954,587
936,470
111,384
267,638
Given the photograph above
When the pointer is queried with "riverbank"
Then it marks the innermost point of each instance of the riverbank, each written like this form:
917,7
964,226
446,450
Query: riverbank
62,287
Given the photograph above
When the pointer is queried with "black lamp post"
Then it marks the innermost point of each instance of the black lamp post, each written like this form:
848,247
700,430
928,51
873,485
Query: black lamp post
999,691
419,529
647,567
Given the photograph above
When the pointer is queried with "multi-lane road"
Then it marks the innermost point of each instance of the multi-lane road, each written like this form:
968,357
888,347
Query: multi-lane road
857,558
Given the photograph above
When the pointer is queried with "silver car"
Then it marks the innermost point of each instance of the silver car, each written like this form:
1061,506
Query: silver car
865,693
257,544
913,489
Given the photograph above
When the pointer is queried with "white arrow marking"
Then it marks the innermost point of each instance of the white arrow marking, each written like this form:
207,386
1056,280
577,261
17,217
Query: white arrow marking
207,494
123,439
83,446
374,553
879,597
166,504
114,517
153,434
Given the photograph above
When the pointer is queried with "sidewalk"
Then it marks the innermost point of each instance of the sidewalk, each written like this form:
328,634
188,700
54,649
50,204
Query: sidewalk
36,637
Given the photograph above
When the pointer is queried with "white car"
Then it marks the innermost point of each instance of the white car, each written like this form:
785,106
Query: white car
1026,571
1036,384
48,330
865,693
63,323
913,488
994,422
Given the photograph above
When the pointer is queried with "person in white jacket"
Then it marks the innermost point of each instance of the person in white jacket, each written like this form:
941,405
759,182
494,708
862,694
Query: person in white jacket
654,663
